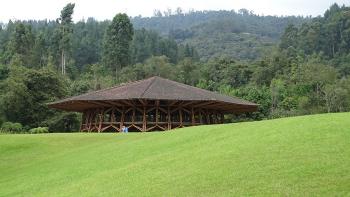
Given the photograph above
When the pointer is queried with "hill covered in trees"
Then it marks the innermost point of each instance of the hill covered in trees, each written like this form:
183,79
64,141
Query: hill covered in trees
238,34
302,68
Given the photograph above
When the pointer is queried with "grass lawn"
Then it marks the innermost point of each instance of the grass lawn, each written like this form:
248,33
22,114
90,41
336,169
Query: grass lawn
300,156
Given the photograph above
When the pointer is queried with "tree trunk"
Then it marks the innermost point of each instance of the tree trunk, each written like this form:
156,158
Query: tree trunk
116,74
63,63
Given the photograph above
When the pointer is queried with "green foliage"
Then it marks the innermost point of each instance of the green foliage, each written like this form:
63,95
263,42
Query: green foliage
20,45
65,33
119,34
11,127
328,35
236,34
26,93
39,130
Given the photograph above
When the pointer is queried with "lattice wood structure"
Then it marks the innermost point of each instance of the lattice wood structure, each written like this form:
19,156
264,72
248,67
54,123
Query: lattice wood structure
151,104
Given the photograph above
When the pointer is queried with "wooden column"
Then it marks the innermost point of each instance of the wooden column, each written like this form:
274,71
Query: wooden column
207,116
169,118
112,116
200,116
222,118
133,116
82,120
87,114
144,120
122,118
180,114
157,113
214,117
100,118
193,117
91,117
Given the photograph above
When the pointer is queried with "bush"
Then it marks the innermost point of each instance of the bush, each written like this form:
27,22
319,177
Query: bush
39,130
11,127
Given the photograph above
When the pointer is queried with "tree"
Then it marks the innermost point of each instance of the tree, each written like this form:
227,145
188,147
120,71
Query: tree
289,37
116,53
277,87
66,33
27,92
20,45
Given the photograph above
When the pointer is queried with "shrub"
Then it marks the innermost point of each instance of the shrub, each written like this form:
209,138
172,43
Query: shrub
11,127
39,130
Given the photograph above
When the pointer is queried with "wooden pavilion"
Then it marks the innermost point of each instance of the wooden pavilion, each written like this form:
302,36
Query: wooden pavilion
151,104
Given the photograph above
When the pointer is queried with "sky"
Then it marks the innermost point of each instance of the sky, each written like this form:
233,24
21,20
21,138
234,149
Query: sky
106,9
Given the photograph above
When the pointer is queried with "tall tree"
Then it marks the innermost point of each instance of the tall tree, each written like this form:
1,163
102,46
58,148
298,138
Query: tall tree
66,33
289,37
20,45
118,36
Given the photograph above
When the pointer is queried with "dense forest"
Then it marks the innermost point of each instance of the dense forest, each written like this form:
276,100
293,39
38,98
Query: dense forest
241,35
288,65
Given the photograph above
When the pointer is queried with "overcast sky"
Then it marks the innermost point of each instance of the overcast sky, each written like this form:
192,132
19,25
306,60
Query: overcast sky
106,9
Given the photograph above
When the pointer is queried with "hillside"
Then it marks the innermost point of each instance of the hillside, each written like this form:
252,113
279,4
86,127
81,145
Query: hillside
299,156
241,34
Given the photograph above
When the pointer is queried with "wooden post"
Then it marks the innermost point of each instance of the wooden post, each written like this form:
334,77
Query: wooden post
169,118
100,120
157,114
180,113
122,118
91,117
193,117
82,120
200,116
222,118
144,120
208,117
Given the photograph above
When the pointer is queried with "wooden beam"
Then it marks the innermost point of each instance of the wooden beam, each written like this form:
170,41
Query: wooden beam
143,102
125,102
172,103
204,104
189,103
113,103
99,103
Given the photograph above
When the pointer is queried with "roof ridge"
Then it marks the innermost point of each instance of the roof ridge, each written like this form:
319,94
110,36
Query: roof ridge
149,85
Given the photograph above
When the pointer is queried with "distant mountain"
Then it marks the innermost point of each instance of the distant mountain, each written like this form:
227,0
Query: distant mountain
241,35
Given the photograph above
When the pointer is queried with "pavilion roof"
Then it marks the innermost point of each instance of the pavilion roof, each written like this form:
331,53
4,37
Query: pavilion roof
154,88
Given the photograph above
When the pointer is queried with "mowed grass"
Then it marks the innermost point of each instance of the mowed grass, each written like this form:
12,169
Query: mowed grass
300,156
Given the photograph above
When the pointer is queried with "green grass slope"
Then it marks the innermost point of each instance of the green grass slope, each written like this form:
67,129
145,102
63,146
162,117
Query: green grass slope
300,156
